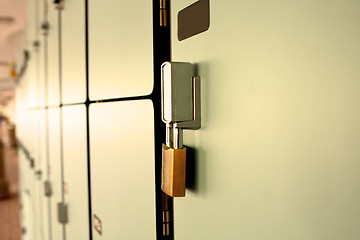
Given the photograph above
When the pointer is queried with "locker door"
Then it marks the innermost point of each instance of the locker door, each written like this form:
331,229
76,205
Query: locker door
75,172
37,176
277,156
42,54
44,166
73,51
55,171
119,46
122,170
53,56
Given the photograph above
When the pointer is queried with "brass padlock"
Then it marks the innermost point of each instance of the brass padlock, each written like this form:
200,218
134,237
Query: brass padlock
180,98
173,171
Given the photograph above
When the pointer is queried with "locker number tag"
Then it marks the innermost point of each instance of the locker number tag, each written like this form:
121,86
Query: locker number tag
97,224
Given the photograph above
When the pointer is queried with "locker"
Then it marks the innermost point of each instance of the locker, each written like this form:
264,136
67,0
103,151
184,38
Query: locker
73,52
41,55
53,56
122,170
277,155
44,168
118,46
55,171
75,171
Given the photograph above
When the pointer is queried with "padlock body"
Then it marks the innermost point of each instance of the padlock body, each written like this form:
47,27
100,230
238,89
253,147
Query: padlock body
173,171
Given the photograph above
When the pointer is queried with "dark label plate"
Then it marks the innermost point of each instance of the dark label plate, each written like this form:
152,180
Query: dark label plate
194,19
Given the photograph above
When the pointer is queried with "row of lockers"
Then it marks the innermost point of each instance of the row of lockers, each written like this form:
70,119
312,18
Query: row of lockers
117,148
120,54
122,175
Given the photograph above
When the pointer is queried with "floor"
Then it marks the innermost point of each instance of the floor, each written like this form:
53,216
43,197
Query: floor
9,207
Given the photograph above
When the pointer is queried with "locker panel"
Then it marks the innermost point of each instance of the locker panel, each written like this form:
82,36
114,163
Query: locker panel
120,49
38,175
55,170
277,155
46,221
41,68
75,172
53,56
122,169
32,89
73,52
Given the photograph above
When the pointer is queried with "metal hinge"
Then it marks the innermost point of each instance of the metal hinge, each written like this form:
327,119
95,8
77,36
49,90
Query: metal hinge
166,219
62,213
47,188
163,13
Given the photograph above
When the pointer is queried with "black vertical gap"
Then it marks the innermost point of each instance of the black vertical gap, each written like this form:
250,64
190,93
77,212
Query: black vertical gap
161,48
87,103
61,117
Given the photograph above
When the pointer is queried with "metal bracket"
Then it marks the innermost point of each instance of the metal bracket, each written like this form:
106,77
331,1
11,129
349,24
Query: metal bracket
36,45
45,28
59,4
62,213
38,173
32,162
181,100
47,188
195,123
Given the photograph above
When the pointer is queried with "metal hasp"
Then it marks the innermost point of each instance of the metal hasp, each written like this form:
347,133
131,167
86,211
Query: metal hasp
59,4
45,28
62,213
47,188
181,109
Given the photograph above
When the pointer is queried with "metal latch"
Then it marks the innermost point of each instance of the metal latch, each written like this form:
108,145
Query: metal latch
32,162
181,109
47,188
59,4
38,174
45,28
62,213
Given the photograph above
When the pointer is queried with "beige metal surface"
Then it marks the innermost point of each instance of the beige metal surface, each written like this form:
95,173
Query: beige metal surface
53,55
73,51
55,170
75,172
277,156
122,169
120,48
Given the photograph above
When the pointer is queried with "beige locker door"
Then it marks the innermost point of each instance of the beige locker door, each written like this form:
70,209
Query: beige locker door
122,169
53,55
75,171
45,211
73,52
55,171
120,48
277,156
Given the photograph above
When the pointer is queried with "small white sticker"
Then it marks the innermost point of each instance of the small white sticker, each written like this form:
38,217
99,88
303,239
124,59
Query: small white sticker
97,224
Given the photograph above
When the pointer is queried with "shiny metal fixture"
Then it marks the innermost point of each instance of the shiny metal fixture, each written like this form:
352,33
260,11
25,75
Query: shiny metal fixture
180,95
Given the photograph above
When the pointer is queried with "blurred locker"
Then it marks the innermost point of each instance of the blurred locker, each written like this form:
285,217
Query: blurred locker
75,171
53,56
277,156
55,169
73,52
122,170
120,49
44,168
